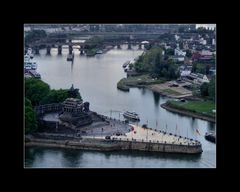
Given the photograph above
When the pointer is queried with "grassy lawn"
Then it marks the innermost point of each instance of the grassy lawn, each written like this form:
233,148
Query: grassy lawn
125,83
203,107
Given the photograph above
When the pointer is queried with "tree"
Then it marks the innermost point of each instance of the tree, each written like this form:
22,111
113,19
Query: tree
211,89
181,45
204,89
35,90
55,96
170,51
207,68
194,67
188,53
130,66
30,117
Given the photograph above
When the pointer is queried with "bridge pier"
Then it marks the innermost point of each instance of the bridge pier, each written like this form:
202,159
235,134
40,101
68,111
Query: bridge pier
48,50
118,46
59,49
129,46
70,49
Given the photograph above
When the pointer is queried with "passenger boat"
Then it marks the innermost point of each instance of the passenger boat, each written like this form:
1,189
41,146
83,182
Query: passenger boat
210,136
131,115
34,65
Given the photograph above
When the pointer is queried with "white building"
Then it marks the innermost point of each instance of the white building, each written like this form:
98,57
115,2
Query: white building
179,52
213,42
184,73
178,58
206,53
199,78
176,37
202,41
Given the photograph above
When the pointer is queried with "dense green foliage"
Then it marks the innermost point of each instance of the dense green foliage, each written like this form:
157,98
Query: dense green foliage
188,53
154,63
35,90
170,51
55,96
200,107
35,35
208,90
30,117
58,96
204,90
202,67
211,89
38,92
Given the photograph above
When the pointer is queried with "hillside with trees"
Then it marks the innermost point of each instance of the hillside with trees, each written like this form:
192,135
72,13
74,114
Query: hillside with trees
153,62
38,92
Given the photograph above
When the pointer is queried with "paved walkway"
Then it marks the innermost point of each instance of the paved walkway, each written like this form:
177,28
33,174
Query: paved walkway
149,135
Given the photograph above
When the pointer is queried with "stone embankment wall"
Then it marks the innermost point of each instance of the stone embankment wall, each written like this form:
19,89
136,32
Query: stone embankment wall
114,145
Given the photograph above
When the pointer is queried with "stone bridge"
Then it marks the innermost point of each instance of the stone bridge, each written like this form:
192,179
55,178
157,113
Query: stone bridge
54,42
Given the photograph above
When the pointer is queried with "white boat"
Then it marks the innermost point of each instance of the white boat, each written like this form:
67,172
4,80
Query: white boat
26,58
131,115
27,66
29,51
99,52
29,63
34,65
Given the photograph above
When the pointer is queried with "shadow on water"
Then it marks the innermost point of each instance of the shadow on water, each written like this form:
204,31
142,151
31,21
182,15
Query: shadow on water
156,97
72,66
211,126
143,91
71,157
150,155
31,153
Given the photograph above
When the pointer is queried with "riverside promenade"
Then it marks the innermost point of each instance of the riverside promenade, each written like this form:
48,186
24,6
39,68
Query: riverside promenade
137,139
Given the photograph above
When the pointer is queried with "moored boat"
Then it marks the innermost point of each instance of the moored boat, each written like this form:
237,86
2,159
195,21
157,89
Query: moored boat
210,136
131,115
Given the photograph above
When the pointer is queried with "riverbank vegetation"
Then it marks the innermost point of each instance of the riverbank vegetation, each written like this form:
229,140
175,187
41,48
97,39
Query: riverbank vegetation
37,92
30,117
204,108
156,64
138,81
93,45
153,67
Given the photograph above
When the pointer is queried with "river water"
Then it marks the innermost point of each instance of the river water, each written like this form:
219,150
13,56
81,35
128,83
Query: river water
97,77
